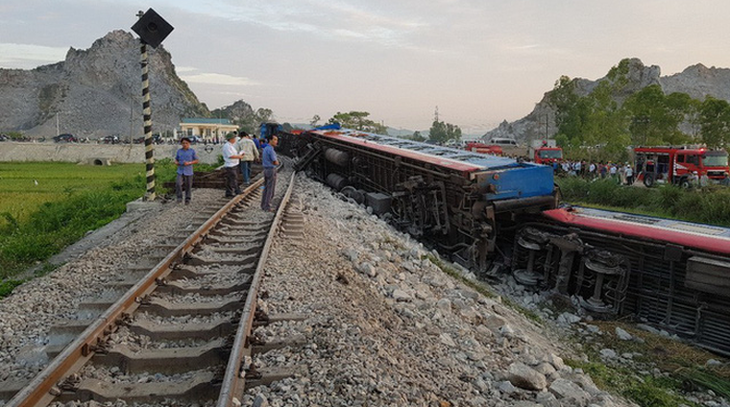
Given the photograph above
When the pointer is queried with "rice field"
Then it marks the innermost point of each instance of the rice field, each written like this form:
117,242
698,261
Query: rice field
24,187
44,207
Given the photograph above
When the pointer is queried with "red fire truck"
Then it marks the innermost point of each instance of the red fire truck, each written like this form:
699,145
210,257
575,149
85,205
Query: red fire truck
477,147
545,151
680,165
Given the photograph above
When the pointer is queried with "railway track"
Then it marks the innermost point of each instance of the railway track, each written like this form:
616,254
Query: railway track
183,331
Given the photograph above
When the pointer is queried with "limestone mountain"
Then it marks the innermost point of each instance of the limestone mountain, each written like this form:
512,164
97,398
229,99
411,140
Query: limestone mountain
697,81
96,92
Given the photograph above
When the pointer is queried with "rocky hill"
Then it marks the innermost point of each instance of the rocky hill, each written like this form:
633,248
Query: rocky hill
697,81
96,92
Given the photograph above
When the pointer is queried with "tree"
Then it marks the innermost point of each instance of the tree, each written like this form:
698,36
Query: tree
563,99
441,132
358,121
655,117
315,120
417,136
715,122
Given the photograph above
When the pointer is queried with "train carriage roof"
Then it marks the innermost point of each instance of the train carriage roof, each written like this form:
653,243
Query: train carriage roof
451,158
707,237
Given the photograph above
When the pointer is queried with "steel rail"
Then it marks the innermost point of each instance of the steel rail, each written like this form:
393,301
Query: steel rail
38,392
232,384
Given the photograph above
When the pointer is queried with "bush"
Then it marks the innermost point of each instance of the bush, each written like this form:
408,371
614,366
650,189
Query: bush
705,205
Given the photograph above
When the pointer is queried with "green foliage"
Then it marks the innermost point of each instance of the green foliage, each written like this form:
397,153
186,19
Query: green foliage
7,287
598,127
656,117
358,121
706,205
441,132
39,220
15,135
715,122
417,136
250,122
707,379
644,390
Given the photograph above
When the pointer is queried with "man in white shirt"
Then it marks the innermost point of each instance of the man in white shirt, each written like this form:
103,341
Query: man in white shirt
614,172
629,172
231,159
249,153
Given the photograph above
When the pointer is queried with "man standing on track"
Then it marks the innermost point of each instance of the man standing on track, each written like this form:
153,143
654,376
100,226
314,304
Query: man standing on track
231,160
248,150
269,161
184,159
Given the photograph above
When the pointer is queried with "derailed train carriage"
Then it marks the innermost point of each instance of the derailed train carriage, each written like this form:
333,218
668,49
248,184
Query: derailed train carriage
485,211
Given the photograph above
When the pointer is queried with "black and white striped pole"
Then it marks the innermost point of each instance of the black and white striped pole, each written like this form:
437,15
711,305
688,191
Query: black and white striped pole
152,30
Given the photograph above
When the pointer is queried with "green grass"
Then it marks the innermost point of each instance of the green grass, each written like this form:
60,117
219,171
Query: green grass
685,365
45,207
709,205
24,187
645,390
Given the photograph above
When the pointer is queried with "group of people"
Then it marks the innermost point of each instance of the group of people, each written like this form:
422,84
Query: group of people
621,173
239,153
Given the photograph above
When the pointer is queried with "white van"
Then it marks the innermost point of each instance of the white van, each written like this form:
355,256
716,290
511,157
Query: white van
503,141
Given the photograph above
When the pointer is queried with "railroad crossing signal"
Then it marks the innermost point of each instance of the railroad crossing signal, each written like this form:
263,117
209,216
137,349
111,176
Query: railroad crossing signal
152,29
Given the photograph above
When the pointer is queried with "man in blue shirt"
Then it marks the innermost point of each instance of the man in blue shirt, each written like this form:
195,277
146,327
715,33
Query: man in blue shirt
269,161
184,159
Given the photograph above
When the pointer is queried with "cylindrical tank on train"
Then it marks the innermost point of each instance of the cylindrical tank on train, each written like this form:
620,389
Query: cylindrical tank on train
336,156
336,181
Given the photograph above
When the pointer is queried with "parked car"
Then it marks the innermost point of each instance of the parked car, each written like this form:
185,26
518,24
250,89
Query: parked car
110,140
65,138
156,139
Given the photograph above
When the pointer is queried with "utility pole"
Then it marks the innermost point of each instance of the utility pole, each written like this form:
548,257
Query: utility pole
436,114
58,133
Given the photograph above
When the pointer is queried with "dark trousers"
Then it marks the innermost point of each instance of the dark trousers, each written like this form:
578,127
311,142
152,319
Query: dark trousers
245,167
269,186
231,181
184,182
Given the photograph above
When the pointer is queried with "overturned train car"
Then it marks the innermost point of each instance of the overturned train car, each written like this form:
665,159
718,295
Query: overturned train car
454,199
486,210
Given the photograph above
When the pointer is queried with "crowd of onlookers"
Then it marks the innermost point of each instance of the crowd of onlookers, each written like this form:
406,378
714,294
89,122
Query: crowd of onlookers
621,173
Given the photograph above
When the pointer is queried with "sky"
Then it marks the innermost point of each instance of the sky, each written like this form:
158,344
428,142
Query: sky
479,61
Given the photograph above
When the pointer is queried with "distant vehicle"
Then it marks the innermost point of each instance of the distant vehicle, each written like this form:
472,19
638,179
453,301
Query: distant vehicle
3,137
545,151
156,139
65,138
110,140
680,165
482,148
502,141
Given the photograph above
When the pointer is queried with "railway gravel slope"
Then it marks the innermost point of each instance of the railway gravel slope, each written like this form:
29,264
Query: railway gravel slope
388,327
